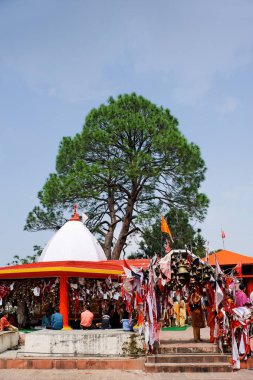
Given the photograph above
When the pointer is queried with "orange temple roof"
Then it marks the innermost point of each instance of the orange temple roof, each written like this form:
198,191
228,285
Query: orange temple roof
225,257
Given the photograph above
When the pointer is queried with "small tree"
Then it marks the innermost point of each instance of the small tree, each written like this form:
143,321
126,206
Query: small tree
28,259
184,235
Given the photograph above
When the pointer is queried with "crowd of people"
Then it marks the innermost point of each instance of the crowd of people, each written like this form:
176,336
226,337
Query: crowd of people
35,304
110,319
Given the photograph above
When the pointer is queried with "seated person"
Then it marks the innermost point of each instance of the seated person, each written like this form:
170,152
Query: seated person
105,320
56,319
115,318
46,320
5,324
125,320
86,318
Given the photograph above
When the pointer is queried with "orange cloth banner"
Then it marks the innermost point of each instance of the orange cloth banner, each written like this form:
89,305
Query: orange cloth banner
165,227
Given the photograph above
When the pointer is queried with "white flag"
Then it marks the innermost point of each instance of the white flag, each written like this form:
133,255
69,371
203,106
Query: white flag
217,268
218,296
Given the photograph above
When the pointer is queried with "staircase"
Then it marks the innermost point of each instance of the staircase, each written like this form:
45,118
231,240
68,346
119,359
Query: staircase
198,357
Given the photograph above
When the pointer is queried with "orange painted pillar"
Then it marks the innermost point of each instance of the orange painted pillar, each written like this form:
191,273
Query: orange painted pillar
64,301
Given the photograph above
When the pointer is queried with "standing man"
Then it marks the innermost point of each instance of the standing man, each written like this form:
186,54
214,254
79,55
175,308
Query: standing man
197,314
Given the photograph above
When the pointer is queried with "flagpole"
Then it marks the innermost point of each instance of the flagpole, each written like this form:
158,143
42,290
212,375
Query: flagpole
223,238
161,234
161,243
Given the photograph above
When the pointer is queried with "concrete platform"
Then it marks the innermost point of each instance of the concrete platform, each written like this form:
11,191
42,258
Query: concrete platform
8,340
83,343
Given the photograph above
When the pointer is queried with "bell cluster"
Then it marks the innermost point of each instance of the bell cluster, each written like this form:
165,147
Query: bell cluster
189,270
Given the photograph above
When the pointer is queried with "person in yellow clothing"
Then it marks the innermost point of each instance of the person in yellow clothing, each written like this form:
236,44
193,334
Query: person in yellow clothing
182,312
176,315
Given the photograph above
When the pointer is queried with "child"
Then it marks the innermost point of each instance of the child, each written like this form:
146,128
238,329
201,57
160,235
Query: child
5,324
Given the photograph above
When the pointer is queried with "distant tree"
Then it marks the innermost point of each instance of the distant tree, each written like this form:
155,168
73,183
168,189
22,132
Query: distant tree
129,161
215,251
28,259
184,235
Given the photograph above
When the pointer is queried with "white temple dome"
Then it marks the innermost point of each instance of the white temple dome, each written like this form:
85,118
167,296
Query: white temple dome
73,242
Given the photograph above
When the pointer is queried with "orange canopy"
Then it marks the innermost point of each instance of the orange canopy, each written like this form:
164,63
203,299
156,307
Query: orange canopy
230,258
70,268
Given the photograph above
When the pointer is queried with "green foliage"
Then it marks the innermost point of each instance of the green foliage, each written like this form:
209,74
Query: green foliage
184,235
28,259
129,161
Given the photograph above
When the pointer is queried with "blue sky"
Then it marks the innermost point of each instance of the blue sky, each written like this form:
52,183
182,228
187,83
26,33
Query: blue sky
58,59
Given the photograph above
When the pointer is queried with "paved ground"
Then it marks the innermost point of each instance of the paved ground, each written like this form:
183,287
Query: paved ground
184,336
13,374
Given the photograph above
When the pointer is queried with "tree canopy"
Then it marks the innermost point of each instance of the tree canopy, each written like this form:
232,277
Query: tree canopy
129,162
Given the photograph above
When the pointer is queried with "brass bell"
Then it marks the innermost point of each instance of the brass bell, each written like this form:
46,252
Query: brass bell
184,254
183,270
193,269
182,279
195,262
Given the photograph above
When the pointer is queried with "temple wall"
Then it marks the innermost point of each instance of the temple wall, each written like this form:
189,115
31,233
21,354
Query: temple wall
83,343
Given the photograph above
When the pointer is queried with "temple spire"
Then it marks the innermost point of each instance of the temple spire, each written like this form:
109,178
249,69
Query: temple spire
75,216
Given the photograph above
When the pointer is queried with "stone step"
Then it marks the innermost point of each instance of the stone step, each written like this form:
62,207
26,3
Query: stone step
189,358
89,363
187,367
187,349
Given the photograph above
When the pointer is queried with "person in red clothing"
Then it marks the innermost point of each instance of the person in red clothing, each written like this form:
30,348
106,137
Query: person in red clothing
86,318
5,324
210,310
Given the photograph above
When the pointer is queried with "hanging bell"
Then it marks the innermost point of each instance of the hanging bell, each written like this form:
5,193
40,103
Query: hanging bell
225,342
195,262
183,270
182,279
184,254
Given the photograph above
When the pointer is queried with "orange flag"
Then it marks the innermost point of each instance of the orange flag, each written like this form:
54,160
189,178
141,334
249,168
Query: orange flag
165,228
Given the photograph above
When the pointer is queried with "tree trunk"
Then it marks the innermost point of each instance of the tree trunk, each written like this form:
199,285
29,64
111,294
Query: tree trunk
124,230
109,235
108,242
